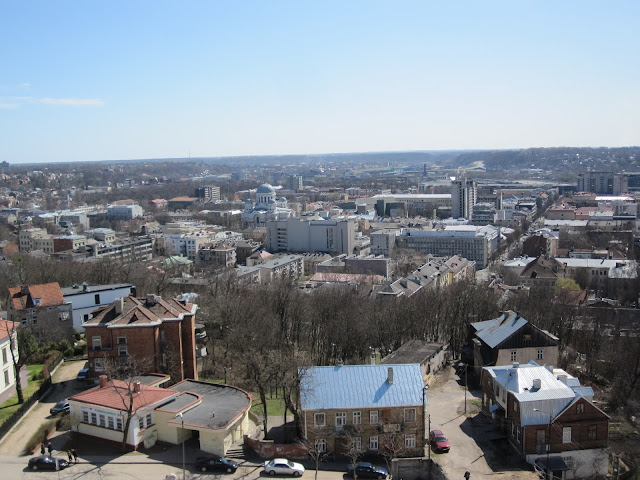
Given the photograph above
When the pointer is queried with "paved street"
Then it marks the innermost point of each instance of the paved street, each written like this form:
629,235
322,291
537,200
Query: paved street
474,446
64,385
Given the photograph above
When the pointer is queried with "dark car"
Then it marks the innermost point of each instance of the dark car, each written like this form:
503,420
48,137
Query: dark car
216,464
438,441
46,462
83,375
367,470
60,407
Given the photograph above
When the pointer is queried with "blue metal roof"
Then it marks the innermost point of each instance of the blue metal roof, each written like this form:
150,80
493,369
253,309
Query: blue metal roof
494,332
360,386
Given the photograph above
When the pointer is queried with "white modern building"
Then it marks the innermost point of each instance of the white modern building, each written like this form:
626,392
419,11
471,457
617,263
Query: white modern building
463,197
311,234
8,378
85,299
124,212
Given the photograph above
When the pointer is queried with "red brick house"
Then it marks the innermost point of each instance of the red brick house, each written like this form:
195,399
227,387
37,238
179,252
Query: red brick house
158,334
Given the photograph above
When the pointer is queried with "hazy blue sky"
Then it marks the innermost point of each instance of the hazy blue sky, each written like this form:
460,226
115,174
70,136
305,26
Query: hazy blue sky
92,80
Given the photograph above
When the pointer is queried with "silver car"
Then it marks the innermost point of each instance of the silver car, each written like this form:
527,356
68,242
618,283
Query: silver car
282,466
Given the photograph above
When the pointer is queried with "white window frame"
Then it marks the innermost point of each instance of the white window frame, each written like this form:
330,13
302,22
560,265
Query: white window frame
85,416
119,423
96,342
410,440
98,364
316,417
110,422
357,418
141,423
321,445
357,444
566,434
341,420
373,417
149,419
410,415
373,443
514,355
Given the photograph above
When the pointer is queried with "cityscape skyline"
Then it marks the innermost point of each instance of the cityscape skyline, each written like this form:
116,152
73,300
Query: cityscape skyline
211,79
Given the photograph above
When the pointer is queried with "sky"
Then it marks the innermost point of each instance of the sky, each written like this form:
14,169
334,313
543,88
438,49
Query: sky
83,81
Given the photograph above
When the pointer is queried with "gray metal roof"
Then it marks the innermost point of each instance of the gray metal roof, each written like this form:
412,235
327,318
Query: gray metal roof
361,386
66,291
494,332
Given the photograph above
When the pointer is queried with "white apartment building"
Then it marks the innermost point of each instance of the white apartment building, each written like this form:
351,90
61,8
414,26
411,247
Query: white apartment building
27,236
463,197
311,235
8,377
85,299
187,244
124,212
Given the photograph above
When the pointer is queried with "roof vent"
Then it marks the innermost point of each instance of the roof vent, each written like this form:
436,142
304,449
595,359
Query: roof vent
516,364
563,378
390,375
537,383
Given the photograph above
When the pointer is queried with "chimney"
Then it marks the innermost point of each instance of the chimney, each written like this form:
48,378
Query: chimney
151,299
136,387
563,378
103,381
390,375
516,364
549,368
119,305
537,383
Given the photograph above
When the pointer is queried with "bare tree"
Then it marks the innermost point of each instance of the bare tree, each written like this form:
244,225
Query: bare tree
352,442
22,344
318,449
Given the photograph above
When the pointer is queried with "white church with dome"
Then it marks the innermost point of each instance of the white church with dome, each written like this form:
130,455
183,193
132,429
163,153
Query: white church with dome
266,208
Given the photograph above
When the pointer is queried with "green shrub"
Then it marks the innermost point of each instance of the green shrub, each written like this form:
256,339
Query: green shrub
40,436
64,423
78,350
69,352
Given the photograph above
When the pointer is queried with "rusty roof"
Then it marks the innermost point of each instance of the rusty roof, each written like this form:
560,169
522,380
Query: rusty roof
28,296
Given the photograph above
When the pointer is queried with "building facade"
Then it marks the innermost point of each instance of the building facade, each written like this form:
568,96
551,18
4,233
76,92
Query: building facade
85,299
463,197
311,235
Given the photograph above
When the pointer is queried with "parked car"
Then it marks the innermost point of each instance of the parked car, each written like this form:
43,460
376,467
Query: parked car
46,462
438,441
83,375
216,464
367,470
282,466
60,407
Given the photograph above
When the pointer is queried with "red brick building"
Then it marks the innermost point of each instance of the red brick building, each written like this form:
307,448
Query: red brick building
158,334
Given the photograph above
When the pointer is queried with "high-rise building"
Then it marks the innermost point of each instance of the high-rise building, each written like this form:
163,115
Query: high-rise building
294,182
209,193
607,183
311,235
463,197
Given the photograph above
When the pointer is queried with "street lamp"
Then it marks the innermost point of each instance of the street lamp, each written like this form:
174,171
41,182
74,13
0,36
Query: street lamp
179,415
549,447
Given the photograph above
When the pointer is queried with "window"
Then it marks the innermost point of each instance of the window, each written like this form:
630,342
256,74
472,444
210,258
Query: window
373,443
122,350
514,355
85,416
110,421
321,445
37,301
566,435
96,342
98,364
539,354
593,432
94,419
580,408
118,423
515,406
513,430
103,421
141,423
357,443
122,340
409,415
85,317
410,440
97,298
341,420
4,355
518,433
357,418
373,416
149,420
318,419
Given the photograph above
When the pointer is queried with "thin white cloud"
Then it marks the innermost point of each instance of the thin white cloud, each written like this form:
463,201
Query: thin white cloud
8,106
62,102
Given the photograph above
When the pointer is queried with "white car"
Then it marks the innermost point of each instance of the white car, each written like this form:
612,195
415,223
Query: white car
282,466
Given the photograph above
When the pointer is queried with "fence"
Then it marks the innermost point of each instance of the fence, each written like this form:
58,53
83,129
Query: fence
49,365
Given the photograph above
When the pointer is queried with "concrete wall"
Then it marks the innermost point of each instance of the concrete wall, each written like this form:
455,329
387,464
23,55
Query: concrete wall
416,469
267,449
581,463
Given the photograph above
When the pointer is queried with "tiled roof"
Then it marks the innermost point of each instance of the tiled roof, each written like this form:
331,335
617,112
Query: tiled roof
23,297
6,327
115,395
361,386
139,312
494,332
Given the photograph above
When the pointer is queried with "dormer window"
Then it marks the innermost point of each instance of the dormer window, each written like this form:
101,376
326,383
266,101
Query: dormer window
37,301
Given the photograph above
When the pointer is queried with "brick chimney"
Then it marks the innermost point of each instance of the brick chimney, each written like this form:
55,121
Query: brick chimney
151,299
136,387
103,381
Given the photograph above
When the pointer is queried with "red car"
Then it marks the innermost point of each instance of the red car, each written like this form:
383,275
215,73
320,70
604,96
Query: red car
438,441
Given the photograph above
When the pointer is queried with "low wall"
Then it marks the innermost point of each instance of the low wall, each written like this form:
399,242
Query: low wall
268,449
416,468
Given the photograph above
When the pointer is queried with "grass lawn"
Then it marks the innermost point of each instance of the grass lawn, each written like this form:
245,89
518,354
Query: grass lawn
275,406
11,405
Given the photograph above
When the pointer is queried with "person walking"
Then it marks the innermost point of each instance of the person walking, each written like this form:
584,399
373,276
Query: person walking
42,449
75,455
49,448
467,475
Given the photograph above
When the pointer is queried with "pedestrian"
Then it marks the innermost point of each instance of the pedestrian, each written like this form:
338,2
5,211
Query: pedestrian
467,475
49,448
42,449
70,456
75,455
